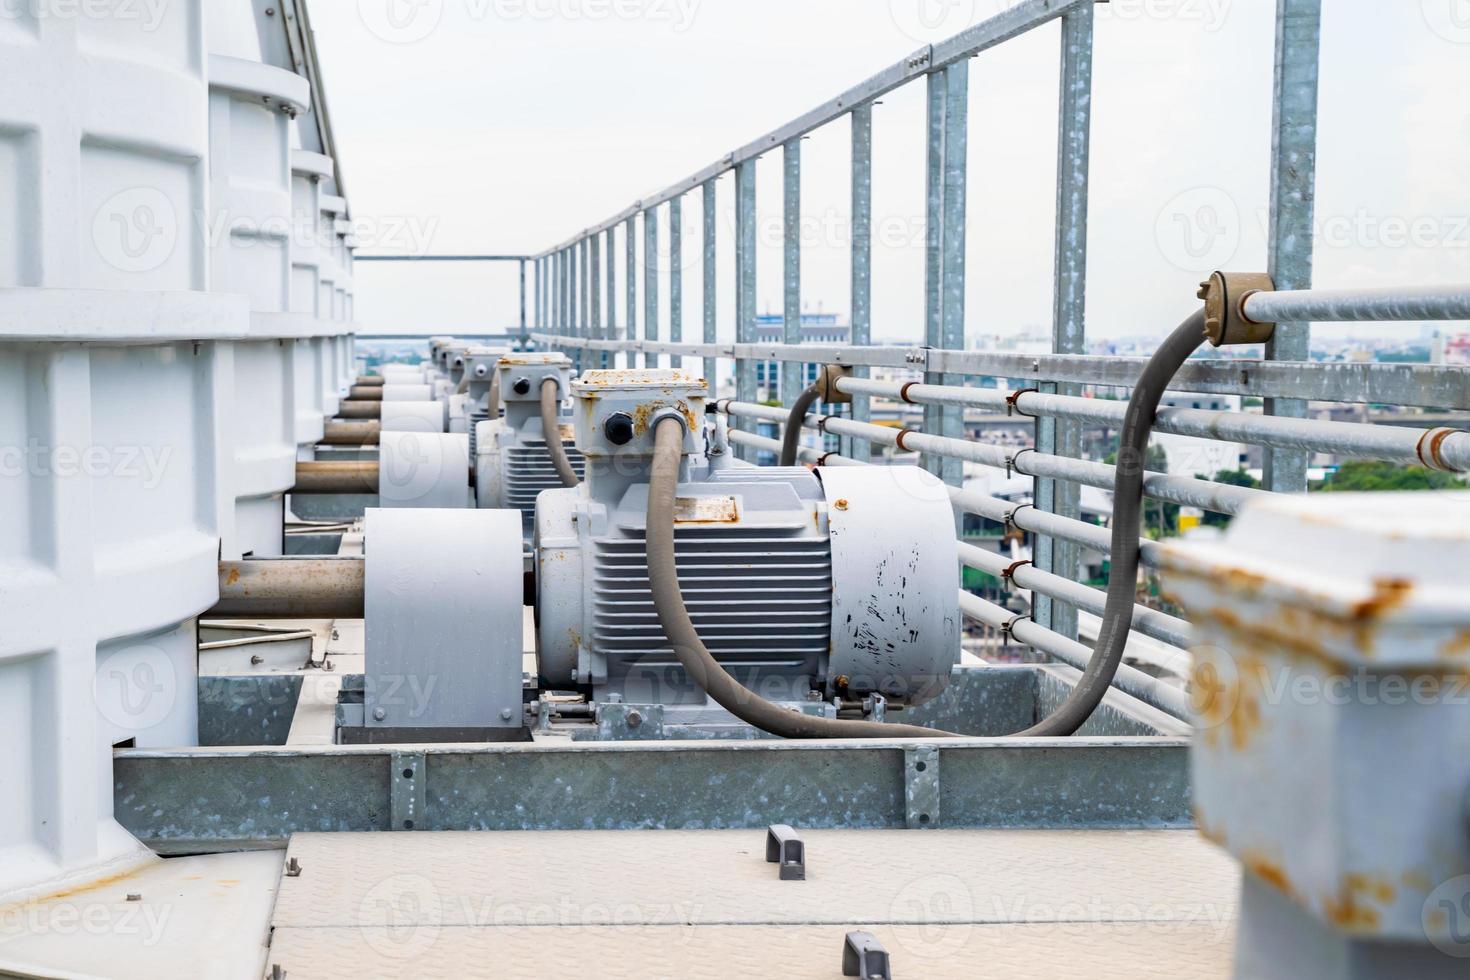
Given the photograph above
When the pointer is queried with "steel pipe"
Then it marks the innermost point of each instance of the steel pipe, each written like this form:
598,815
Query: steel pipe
371,379
290,588
1360,305
1440,449
366,393
360,410
339,433
1186,491
1130,680
354,476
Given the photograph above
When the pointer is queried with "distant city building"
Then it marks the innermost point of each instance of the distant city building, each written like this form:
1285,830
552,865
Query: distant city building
816,328
1457,349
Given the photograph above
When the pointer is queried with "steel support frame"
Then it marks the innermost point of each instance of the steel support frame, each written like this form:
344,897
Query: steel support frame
862,261
709,245
1293,207
650,282
218,799
1069,334
791,374
745,295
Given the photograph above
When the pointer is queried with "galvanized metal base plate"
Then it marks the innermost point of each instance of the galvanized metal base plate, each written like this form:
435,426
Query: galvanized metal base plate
706,904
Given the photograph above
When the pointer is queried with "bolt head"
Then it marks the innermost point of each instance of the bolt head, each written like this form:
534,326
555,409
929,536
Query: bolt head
841,503
635,718
506,714
379,714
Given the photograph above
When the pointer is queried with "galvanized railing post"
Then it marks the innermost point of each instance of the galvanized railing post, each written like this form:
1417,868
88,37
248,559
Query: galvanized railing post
650,282
709,246
1063,437
1293,194
523,300
594,280
745,249
607,359
792,375
934,240
862,260
676,276
584,319
952,335
630,237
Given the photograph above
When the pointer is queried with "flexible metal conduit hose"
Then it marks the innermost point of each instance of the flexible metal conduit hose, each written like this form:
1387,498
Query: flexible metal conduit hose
791,435
1117,618
698,662
551,431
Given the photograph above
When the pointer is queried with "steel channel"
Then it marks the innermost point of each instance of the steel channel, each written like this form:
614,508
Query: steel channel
791,374
862,260
1293,206
524,331
676,276
216,799
709,244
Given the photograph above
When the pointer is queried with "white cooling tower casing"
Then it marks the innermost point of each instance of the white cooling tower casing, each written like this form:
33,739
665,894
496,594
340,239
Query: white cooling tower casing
313,293
111,481
250,232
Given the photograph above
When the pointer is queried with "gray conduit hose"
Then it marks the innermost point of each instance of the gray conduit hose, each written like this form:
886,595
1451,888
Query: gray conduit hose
791,435
1117,618
551,431
698,662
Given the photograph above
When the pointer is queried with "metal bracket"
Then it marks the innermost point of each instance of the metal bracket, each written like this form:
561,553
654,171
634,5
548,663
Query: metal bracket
783,847
864,957
819,709
1008,631
407,800
875,707
1013,408
618,722
921,786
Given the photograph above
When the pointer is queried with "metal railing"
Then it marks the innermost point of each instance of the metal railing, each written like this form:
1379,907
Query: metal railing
1047,388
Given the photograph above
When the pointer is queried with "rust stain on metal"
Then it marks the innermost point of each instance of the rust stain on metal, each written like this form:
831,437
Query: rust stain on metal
233,577
1457,645
706,510
1388,595
1268,871
643,414
841,504
1430,446
1353,909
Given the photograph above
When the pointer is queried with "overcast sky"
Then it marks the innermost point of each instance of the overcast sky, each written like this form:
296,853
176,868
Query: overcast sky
508,125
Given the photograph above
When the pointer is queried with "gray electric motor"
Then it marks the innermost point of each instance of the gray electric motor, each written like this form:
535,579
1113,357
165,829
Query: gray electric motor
512,464
836,581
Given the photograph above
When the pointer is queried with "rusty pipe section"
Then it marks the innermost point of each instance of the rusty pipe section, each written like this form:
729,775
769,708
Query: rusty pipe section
371,380
352,476
366,393
290,588
360,410
341,433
